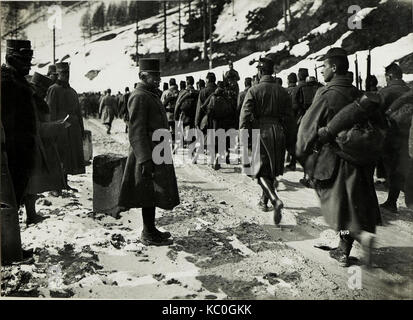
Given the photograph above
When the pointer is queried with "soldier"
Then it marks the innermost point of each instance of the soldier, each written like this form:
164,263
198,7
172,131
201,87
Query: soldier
168,99
241,95
47,174
52,73
400,166
346,191
394,89
267,107
186,104
123,112
63,101
18,114
232,76
182,85
292,82
107,110
200,116
145,184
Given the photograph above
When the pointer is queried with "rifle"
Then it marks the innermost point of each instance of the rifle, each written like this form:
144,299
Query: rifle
368,77
357,72
315,71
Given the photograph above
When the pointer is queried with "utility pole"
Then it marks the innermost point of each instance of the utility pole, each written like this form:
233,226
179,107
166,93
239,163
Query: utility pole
204,27
137,33
165,48
179,30
54,44
210,34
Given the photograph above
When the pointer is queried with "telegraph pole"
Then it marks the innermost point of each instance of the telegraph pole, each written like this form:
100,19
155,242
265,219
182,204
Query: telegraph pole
179,30
204,27
165,48
54,44
210,35
137,36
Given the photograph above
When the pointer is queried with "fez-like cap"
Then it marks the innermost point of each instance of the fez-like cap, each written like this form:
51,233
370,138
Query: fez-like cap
190,79
335,52
22,47
149,65
62,67
51,69
41,80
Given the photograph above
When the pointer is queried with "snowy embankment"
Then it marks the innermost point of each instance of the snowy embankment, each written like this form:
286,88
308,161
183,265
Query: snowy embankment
109,54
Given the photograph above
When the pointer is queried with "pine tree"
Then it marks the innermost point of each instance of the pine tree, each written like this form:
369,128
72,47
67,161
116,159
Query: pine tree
121,13
111,14
86,24
98,19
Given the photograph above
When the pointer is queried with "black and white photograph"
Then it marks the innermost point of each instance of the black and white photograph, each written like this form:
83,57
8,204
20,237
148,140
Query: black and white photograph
206,150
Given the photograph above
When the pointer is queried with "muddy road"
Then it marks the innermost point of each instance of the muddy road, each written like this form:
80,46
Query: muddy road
224,248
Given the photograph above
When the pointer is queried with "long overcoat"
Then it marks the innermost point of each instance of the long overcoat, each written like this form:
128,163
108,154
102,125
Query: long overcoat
19,122
63,101
107,108
47,174
201,118
346,191
267,107
147,115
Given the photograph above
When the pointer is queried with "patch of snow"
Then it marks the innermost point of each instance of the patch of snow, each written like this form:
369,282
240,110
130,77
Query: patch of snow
316,5
363,13
230,27
300,49
321,29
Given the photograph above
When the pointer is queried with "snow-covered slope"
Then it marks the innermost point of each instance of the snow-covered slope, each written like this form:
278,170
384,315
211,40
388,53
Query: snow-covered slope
116,69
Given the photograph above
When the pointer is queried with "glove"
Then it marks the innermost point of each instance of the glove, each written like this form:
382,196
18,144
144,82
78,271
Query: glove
324,135
148,168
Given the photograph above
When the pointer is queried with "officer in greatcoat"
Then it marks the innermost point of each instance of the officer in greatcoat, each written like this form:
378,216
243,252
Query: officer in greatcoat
147,184
346,191
18,114
63,101
267,107
47,174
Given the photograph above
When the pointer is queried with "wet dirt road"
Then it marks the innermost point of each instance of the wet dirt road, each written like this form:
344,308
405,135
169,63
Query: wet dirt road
224,248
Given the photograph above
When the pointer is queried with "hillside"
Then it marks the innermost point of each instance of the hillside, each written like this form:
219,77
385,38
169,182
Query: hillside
242,30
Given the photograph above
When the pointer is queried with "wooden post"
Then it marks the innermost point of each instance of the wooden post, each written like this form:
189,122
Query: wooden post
54,44
137,35
357,72
204,9
210,34
179,30
165,48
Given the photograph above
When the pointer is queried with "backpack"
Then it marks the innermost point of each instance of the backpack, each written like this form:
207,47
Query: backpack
220,108
308,93
188,104
363,142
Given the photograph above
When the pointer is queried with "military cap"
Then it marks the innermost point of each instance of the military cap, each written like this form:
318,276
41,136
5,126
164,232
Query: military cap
149,65
393,68
22,47
335,52
302,73
51,69
41,80
210,75
265,63
292,77
62,66
190,79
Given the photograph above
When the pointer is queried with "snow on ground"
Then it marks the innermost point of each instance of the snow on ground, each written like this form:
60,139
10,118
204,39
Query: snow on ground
229,26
